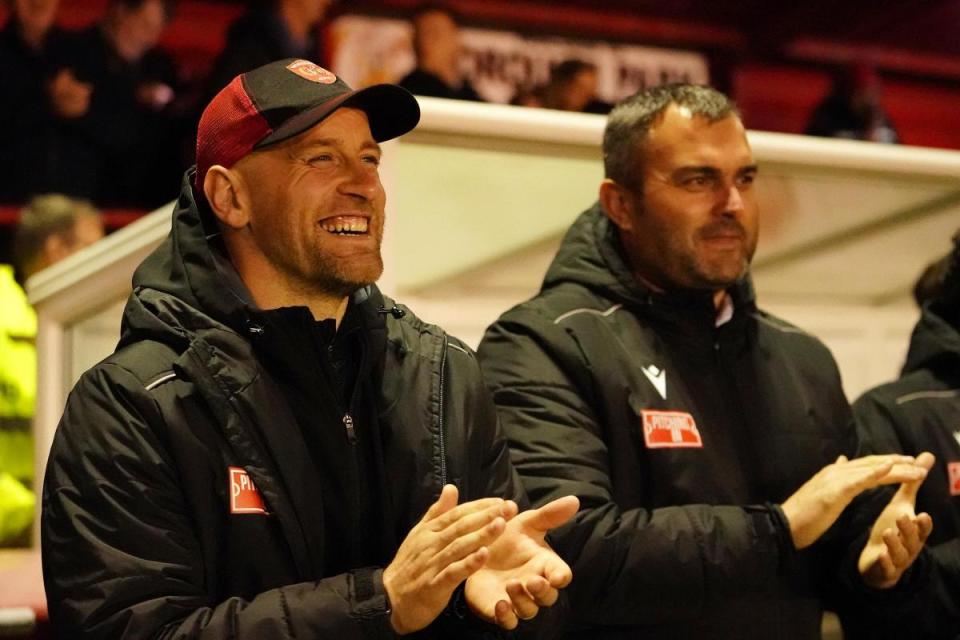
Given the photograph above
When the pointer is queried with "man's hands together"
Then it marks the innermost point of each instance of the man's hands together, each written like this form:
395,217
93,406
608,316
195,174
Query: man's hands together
815,506
512,571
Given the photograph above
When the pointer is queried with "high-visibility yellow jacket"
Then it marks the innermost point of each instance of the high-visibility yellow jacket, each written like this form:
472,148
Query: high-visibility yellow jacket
18,391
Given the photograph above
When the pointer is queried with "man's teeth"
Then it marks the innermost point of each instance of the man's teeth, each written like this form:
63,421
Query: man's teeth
336,225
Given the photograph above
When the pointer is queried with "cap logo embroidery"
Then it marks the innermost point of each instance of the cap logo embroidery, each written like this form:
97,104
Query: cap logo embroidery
244,497
954,472
312,72
670,429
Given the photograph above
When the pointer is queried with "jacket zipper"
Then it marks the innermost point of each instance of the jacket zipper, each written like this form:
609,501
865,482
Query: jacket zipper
351,432
443,444
347,419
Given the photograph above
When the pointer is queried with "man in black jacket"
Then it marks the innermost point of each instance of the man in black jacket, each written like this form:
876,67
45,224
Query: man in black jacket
115,132
705,438
436,46
271,30
256,458
921,412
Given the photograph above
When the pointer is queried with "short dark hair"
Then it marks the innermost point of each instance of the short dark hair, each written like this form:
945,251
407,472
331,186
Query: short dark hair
928,285
420,11
45,216
568,70
946,299
435,7
631,119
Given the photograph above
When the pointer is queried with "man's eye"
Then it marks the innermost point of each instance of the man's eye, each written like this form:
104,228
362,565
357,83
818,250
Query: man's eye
371,159
321,157
747,180
696,182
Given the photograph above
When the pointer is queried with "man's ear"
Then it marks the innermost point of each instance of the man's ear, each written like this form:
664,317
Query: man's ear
619,203
55,249
224,191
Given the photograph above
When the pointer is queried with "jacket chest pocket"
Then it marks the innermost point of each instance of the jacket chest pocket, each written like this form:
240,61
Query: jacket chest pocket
255,554
673,461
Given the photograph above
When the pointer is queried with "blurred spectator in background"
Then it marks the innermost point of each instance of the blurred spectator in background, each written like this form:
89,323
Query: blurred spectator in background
436,45
572,87
29,46
271,30
852,109
920,411
51,228
118,146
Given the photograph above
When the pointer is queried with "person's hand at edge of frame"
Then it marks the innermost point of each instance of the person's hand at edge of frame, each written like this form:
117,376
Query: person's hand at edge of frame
897,536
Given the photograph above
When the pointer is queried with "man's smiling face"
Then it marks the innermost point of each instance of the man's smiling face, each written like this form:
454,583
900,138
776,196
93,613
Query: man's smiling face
317,205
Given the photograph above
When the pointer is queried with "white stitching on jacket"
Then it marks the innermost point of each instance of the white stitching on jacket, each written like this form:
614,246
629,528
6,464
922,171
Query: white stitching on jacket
922,395
574,312
163,378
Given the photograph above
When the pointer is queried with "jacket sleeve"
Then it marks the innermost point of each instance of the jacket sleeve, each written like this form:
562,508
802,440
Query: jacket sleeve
944,601
122,558
677,557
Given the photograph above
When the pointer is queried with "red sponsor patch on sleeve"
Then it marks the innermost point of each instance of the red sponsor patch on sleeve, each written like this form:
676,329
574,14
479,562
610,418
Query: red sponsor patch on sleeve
953,470
244,497
670,429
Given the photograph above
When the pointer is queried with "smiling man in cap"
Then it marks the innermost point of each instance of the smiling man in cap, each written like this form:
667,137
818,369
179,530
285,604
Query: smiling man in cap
276,449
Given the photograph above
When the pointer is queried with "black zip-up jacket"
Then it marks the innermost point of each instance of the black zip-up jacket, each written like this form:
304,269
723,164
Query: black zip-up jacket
679,437
138,535
921,412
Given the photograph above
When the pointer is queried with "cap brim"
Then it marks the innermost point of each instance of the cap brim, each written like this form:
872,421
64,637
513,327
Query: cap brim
391,110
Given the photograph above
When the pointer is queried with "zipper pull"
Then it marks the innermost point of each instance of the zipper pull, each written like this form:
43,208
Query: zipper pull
351,432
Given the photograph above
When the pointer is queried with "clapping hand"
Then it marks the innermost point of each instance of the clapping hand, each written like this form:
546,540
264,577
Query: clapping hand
897,536
522,573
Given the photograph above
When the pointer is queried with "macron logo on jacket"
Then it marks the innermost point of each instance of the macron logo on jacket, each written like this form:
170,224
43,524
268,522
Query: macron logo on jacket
658,378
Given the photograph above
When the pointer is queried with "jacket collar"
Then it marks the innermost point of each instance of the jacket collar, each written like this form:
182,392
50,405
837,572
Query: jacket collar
590,256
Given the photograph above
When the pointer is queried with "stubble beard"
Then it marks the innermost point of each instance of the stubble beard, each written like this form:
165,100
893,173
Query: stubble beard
336,278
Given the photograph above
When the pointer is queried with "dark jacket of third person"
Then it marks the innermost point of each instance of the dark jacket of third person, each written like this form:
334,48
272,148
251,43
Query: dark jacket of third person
921,412
679,437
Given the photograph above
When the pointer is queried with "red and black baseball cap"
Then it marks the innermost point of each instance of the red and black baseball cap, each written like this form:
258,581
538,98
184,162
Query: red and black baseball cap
284,98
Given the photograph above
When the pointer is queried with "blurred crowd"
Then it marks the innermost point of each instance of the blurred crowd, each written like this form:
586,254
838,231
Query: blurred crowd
105,114
95,113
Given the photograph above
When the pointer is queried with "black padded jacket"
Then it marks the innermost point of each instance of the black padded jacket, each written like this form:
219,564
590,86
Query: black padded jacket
179,500
680,438
921,412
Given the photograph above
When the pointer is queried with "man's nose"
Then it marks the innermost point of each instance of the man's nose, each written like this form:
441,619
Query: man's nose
733,200
362,181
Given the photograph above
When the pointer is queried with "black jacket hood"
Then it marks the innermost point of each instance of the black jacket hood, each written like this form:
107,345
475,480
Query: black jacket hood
188,283
935,344
191,268
590,256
